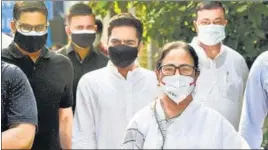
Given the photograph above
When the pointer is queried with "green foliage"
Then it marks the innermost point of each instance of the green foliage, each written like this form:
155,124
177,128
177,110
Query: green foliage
166,21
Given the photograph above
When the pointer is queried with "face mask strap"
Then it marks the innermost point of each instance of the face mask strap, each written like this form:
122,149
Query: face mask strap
193,83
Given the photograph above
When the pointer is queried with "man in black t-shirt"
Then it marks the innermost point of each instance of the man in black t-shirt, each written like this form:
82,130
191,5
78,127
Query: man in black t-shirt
81,30
18,109
49,73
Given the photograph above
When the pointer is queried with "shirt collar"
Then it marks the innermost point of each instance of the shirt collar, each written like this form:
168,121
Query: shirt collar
13,50
114,69
204,60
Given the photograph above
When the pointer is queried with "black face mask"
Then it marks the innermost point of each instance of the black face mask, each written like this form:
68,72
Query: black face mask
30,43
83,40
122,56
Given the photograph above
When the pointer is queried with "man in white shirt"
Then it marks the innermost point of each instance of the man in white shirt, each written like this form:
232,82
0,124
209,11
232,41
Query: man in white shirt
108,98
255,104
223,71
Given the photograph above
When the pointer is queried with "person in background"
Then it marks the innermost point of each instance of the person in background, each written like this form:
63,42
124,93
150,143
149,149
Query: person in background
81,30
6,40
18,109
98,43
223,71
108,98
50,74
255,107
176,120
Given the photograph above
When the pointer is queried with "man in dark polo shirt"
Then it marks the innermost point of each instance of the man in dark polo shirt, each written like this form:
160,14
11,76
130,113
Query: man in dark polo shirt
81,30
18,109
50,75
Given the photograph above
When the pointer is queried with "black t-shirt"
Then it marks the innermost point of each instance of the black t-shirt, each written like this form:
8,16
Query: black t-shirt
51,79
94,60
18,103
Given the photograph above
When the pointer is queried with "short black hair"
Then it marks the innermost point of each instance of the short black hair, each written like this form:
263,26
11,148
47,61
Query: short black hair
29,6
99,25
79,9
209,5
126,19
176,45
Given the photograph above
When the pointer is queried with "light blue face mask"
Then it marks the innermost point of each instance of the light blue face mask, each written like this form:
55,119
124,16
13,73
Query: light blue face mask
211,34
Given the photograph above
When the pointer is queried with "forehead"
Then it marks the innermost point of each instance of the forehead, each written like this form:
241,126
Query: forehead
210,14
124,33
177,57
32,18
83,20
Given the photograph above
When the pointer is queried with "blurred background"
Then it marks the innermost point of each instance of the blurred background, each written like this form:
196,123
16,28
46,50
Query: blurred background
164,21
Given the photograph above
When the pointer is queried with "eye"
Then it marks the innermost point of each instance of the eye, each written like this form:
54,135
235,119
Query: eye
79,27
115,42
205,23
25,27
186,70
130,43
40,28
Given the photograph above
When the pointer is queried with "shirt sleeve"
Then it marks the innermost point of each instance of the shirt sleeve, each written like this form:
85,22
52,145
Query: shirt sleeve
84,129
255,105
244,72
230,137
22,104
133,137
67,97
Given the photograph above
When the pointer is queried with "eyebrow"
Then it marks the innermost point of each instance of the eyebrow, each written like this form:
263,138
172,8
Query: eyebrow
32,25
129,40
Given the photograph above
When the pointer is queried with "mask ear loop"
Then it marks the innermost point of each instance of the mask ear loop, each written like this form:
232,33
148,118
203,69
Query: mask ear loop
193,83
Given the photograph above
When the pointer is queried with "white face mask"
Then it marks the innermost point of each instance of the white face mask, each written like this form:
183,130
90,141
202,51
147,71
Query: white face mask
177,87
211,34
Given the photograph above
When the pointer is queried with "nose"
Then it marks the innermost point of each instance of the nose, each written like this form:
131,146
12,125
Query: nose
177,71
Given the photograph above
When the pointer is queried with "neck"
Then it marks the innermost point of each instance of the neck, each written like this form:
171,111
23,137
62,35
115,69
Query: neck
211,51
172,109
82,52
124,71
34,56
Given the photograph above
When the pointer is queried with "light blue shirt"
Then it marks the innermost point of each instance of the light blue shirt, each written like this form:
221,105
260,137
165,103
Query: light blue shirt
255,105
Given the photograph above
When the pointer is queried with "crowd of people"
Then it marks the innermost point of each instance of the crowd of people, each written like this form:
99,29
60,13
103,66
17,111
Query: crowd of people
85,95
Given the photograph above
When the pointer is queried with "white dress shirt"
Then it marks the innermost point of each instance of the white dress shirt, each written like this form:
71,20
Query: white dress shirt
255,107
198,127
222,81
106,102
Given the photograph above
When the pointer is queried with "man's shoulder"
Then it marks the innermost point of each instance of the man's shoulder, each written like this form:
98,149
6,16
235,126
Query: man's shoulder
263,56
145,114
11,72
63,50
96,75
58,56
60,60
233,53
148,73
101,56
261,61
7,68
5,54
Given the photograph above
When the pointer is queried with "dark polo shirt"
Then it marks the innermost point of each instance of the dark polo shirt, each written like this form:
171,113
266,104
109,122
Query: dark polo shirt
51,79
94,60
18,103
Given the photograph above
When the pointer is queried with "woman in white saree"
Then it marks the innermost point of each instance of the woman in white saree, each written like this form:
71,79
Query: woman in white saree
175,120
